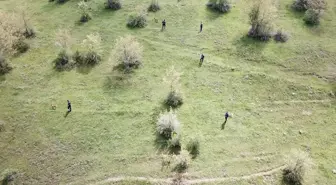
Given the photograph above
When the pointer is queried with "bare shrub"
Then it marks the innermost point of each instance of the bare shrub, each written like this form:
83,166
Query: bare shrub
298,164
21,46
300,5
182,162
10,32
113,4
28,30
174,98
260,17
137,21
222,6
154,6
193,147
85,11
8,176
316,4
92,47
63,60
128,53
281,36
4,66
167,125
2,125
313,16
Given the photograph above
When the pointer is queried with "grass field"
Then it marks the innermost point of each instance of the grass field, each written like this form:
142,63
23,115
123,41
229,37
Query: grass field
274,91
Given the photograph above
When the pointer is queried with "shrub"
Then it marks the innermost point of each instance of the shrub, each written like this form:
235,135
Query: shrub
300,5
21,46
128,53
4,66
154,6
260,20
222,6
181,162
297,166
174,99
281,36
29,32
113,4
193,147
10,32
168,124
137,21
312,16
78,57
63,62
84,9
8,176
90,58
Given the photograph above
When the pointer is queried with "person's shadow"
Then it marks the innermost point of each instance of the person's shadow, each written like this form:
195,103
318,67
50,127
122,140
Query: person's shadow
66,114
223,125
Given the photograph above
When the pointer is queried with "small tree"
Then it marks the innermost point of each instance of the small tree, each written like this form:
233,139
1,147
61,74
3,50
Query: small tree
85,11
137,21
63,40
154,6
261,16
113,4
182,162
92,46
193,147
300,5
222,6
128,53
312,16
281,36
174,98
168,125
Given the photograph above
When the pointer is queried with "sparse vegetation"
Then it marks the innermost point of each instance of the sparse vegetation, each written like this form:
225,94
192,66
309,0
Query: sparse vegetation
281,36
85,11
4,66
300,5
222,6
21,46
181,162
193,147
312,16
113,4
137,21
174,99
168,125
128,53
8,176
92,47
63,61
63,41
298,165
154,6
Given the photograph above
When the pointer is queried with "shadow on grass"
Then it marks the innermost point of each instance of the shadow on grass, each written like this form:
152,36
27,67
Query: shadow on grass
84,69
2,78
213,14
250,48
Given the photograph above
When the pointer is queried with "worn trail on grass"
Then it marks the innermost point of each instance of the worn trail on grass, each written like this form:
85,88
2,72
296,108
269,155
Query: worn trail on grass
189,181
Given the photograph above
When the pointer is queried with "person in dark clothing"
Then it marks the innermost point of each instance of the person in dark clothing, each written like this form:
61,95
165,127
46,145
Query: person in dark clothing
201,27
69,106
163,24
201,60
226,117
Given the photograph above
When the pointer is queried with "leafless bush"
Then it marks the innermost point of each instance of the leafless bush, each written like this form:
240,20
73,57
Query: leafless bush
281,36
85,11
222,6
154,6
182,162
167,125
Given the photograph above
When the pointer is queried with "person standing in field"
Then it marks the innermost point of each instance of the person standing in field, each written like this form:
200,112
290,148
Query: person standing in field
163,24
69,106
226,116
201,59
201,27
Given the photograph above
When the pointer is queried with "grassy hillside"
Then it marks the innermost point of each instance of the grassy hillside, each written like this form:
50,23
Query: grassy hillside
274,91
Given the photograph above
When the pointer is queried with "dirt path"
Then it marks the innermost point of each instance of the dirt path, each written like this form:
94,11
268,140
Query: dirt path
189,181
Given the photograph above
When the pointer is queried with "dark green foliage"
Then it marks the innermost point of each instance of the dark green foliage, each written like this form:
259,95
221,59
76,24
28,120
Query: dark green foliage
300,5
63,62
174,100
4,66
312,16
261,28
281,36
90,58
154,6
29,32
222,6
21,46
85,17
137,21
113,4
193,147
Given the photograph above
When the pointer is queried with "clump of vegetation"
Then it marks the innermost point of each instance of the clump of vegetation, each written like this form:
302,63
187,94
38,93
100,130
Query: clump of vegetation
8,176
10,33
21,46
85,11
182,162
28,30
300,5
298,165
137,21
113,4
128,53
154,6
260,17
281,36
174,98
64,42
312,16
222,6
92,46
174,144
193,147
168,125
4,66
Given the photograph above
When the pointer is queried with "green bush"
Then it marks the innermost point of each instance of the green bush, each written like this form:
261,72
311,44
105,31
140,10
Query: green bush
181,162
174,142
281,36
222,6
113,4
298,165
193,147
137,21
167,125
154,6
4,66
63,61
300,5
260,20
85,11
312,16
21,46
174,99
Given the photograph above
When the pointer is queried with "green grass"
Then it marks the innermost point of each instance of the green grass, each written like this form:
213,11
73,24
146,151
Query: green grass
269,88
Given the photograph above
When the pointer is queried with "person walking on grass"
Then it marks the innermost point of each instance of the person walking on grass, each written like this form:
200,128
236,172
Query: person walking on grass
163,24
69,106
201,59
201,27
226,116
